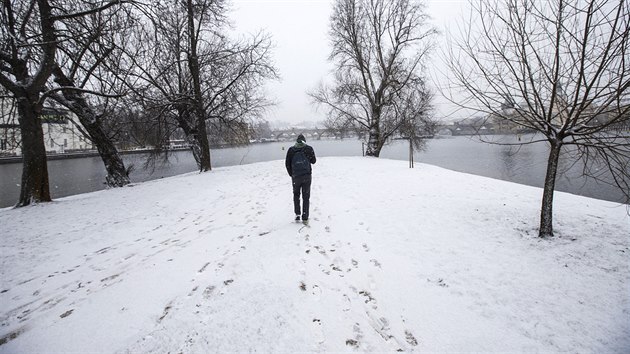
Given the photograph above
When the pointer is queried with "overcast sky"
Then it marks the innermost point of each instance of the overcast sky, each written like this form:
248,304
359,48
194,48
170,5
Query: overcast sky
299,29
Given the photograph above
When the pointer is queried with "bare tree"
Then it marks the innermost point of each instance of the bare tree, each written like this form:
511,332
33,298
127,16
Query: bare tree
378,48
559,68
196,112
337,127
261,130
84,83
27,57
192,74
29,38
233,95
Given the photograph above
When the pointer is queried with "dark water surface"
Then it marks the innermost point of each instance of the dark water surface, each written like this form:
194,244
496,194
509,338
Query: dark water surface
525,164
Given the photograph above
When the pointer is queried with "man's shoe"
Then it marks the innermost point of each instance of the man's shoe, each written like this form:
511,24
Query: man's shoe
305,221
297,218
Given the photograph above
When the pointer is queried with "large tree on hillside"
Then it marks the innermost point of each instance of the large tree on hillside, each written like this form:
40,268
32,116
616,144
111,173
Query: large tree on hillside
378,48
192,74
28,44
84,83
560,68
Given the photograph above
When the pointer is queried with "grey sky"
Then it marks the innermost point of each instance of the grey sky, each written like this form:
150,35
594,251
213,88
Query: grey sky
299,29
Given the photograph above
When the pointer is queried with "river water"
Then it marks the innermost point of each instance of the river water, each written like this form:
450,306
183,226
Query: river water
525,164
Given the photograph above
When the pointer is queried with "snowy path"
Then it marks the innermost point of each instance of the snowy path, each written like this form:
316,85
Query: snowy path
394,259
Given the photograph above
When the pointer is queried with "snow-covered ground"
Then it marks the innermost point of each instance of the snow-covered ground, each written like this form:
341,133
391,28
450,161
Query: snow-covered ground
421,259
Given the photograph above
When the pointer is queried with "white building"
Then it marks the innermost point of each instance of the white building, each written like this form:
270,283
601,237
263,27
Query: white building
61,135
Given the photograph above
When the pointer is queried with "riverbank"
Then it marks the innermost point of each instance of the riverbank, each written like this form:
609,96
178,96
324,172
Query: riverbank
524,165
94,153
80,154
422,259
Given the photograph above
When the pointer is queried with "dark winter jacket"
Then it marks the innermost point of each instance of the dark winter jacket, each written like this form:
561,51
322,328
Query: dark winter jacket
308,151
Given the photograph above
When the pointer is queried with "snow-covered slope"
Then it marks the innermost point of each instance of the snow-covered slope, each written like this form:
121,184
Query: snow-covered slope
420,259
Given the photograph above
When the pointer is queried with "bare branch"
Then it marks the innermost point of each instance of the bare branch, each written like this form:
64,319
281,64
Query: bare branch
103,7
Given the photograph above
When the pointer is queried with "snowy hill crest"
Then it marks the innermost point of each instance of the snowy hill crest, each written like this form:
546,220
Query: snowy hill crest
413,260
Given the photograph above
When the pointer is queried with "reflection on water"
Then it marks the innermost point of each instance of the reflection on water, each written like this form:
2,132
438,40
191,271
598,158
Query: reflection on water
524,164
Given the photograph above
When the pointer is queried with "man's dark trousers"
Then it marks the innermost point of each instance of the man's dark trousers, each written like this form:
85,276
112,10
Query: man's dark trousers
301,183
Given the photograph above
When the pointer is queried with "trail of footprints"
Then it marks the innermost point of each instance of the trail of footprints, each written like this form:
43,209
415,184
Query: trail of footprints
330,261
211,290
217,287
123,262
208,281
98,261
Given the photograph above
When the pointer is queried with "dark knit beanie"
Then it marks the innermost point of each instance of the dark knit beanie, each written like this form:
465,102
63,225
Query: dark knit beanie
301,138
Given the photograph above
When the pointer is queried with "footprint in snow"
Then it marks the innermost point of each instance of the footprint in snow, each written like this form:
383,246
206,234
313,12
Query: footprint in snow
410,338
352,342
111,277
316,291
368,299
167,309
358,335
323,269
66,314
203,268
318,331
347,304
439,282
321,250
193,290
104,250
208,291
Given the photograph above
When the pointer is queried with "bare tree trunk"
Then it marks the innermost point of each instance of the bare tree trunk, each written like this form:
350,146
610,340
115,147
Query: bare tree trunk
546,214
197,150
26,91
374,144
204,153
203,160
195,138
117,175
34,186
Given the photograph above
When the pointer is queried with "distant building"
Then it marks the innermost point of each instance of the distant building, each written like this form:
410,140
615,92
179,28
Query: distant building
591,115
9,128
61,133
507,122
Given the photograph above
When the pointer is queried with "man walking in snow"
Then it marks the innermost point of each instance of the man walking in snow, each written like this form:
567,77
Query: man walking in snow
298,163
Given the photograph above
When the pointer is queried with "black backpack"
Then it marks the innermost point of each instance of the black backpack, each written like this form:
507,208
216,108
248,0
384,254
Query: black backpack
300,165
